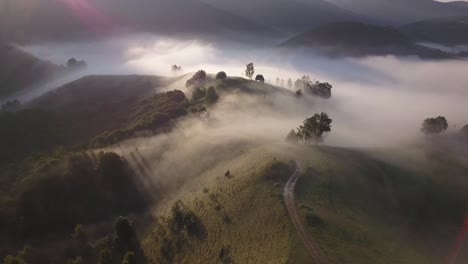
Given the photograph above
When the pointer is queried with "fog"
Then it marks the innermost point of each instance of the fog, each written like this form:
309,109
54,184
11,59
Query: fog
377,101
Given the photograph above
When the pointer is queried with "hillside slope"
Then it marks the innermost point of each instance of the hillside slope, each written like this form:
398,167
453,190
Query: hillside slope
242,215
385,206
447,31
288,16
357,39
398,12
20,70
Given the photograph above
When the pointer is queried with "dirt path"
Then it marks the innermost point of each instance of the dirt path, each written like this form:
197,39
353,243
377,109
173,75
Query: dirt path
308,241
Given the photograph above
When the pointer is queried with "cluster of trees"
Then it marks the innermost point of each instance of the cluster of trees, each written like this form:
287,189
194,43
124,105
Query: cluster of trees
172,233
313,129
434,125
280,82
202,98
205,95
11,106
121,246
75,64
250,70
316,88
56,192
176,68
197,79
153,113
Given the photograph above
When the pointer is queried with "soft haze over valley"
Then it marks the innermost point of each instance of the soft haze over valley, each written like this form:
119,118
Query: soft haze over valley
217,131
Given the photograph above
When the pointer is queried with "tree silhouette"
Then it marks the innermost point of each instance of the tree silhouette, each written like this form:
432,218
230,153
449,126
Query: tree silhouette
211,95
434,126
129,258
314,127
298,84
249,70
292,137
259,78
221,75
105,257
319,89
290,83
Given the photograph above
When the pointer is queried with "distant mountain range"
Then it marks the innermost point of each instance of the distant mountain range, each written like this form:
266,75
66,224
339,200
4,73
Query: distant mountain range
32,20
400,12
448,31
359,39
291,16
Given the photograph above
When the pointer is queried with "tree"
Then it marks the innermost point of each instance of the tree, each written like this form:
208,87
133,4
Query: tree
434,126
249,70
123,230
259,78
277,81
290,83
175,68
196,79
298,84
71,62
292,137
80,234
129,258
77,260
211,95
299,93
11,106
198,94
13,260
221,76
75,64
314,127
319,89
105,257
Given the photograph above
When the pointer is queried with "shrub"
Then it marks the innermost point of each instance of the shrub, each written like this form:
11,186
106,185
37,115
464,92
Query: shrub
221,76
197,79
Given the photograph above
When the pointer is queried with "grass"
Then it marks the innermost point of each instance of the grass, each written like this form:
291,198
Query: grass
243,213
361,209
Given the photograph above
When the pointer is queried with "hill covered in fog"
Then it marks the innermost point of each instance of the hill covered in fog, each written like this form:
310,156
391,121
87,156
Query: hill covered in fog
398,12
20,70
358,39
288,16
29,20
447,31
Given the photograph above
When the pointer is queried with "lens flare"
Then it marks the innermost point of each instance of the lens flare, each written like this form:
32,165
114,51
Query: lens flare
90,15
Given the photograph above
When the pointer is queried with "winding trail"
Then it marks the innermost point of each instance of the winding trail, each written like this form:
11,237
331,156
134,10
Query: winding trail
308,241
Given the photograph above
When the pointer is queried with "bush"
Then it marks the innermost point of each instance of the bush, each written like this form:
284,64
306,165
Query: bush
259,78
221,76
211,95
197,79
319,89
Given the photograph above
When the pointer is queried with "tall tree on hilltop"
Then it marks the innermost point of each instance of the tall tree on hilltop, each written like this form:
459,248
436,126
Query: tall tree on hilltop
249,70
